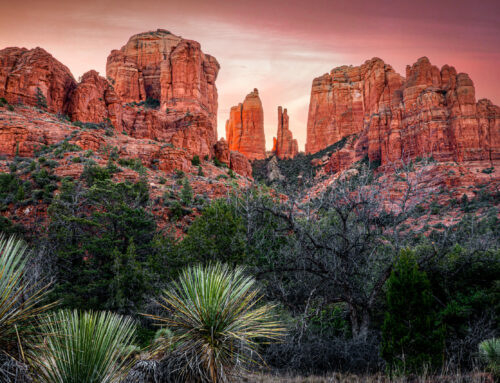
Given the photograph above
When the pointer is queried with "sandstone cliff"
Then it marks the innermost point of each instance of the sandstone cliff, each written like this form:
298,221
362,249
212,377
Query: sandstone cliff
284,145
25,72
433,112
245,128
161,66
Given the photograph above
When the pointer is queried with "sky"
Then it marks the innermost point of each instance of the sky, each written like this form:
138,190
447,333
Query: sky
276,46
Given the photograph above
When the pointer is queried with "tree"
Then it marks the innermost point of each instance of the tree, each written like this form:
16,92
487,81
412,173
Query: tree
41,101
186,192
342,242
219,234
102,244
412,335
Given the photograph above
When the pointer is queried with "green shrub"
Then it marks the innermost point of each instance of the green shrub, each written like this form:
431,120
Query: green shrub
186,192
490,353
20,304
195,161
84,347
10,108
216,323
217,162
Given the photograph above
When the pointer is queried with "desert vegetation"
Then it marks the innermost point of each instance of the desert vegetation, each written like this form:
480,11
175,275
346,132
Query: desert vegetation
338,286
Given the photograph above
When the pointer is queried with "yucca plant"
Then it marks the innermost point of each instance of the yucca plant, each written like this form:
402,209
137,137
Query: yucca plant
20,303
217,319
490,352
84,347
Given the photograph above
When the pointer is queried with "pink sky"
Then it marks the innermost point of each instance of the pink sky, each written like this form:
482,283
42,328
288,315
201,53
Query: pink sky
275,46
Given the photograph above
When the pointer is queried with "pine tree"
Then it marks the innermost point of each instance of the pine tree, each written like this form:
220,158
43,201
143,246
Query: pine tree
187,192
41,101
412,336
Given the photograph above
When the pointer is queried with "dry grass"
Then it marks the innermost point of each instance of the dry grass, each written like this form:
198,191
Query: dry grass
345,378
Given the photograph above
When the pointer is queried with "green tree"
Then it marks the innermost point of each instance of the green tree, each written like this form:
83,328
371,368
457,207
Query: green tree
412,335
186,192
219,234
102,239
41,100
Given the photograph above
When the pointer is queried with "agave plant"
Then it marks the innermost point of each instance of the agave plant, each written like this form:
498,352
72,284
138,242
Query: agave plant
217,319
20,304
84,347
490,352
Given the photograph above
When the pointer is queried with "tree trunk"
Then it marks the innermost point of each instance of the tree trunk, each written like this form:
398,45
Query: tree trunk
360,321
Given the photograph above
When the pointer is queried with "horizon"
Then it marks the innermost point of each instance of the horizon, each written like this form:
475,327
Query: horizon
277,47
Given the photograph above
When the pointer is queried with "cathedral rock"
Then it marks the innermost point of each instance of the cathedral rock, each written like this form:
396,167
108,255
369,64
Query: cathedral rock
431,112
245,128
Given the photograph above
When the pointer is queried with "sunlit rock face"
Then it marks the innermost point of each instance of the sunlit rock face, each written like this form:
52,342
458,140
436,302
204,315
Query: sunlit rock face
245,128
159,65
431,112
284,145
26,75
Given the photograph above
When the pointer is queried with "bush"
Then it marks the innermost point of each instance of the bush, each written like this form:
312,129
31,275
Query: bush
186,192
490,352
84,347
20,303
195,161
152,103
212,312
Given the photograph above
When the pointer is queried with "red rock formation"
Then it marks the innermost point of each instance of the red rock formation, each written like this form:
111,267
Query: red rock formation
245,128
240,164
23,71
94,100
341,100
165,67
285,146
431,113
222,152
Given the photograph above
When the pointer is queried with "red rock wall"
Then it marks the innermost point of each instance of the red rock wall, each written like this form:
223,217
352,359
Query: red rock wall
22,71
284,145
170,69
431,113
245,128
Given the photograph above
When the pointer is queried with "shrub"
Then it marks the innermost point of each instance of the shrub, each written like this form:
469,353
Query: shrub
20,303
195,161
490,353
217,162
152,103
10,108
84,347
186,192
213,313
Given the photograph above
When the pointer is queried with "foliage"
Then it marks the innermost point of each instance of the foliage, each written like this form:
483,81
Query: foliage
41,101
215,314
102,240
195,161
20,303
186,192
84,347
490,352
412,335
219,234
